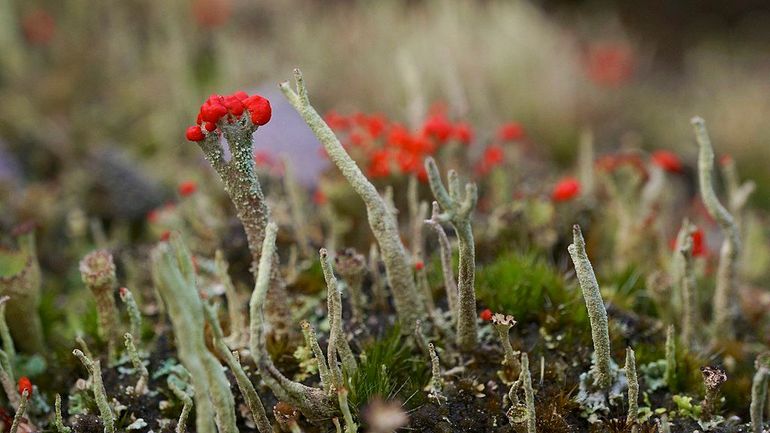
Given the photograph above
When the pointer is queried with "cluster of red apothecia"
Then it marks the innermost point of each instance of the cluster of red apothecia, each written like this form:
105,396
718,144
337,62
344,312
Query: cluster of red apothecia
230,108
388,148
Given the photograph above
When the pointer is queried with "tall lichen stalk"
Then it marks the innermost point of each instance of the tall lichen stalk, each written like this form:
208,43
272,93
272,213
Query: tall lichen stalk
458,210
381,219
731,246
242,185
597,313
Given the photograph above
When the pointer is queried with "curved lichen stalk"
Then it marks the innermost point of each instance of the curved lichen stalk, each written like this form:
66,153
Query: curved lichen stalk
731,246
381,220
458,211
445,251
313,402
597,313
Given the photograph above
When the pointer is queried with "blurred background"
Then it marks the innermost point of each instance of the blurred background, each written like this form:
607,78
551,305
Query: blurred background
95,86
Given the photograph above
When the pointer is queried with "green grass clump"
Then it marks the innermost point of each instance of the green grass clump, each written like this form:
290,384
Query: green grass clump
523,285
389,369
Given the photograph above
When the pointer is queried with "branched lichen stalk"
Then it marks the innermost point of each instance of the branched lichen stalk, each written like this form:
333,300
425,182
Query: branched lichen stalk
633,387
445,251
97,386
597,313
98,272
174,276
314,403
381,220
458,210
529,395
337,341
731,246
759,391
247,389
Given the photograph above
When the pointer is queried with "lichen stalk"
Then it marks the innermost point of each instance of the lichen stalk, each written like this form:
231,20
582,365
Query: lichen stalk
633,388
378,284
597,313
314,403
134,315
187,404
350,425
311,340
144,375
352,268
23,289
337,342
8,381
458,211
503,324
247,389
529,395
436,385
242,185
713,378
234,302
97,386
445,251
58,420
687,284
20,411
759,391
381,220
670,372
97,270
731,246
5,333
174,276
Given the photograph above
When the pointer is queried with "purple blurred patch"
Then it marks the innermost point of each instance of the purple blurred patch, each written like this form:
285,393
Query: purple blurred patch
288,135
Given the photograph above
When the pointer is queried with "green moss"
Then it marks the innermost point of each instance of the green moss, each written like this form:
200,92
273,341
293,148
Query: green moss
522,285
389,368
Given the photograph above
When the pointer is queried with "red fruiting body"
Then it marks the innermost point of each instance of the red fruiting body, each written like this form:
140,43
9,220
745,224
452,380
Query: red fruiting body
259,109
725,159
566,189
510,131
437,126
463,133
493,156
699,244
667,161
165,235
187,188
38,26
610,64
486,315
419,265
123,291
319,197
25,385
194,133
